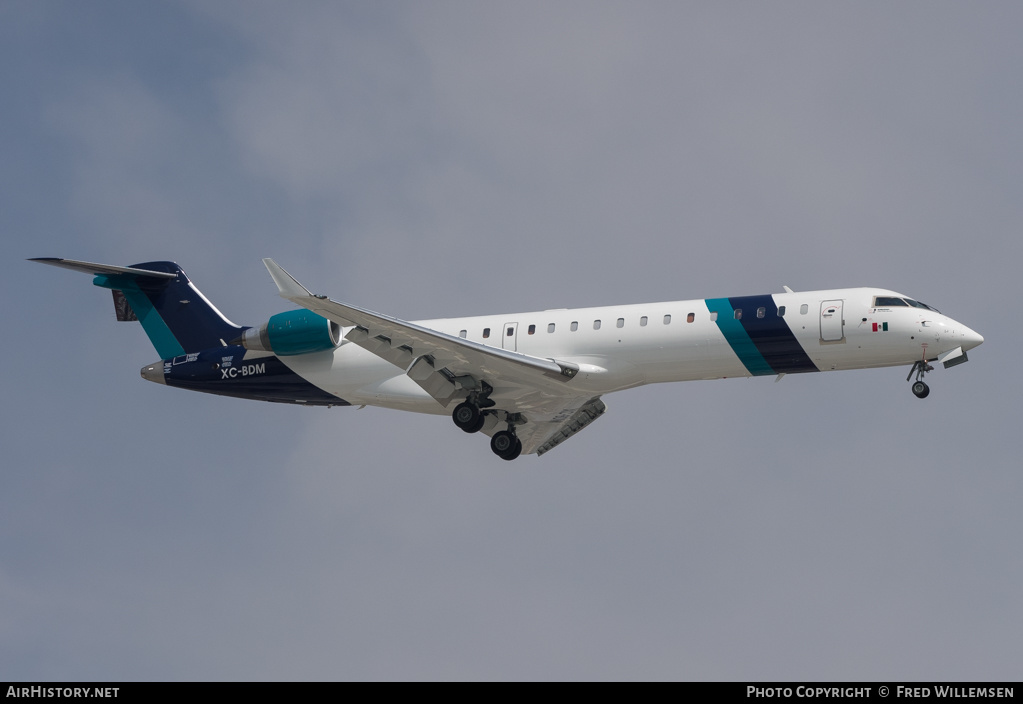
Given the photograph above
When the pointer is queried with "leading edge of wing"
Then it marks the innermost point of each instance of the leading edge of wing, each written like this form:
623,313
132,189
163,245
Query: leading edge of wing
473,356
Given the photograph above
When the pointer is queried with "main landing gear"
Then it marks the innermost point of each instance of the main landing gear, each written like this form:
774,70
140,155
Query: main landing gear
505,445
470,417
921,367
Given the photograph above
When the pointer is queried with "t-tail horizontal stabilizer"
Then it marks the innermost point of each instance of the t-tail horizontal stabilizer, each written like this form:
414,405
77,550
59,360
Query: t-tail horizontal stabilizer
175,315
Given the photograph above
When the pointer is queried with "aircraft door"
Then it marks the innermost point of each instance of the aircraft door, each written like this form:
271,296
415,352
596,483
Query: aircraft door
831,321
509,336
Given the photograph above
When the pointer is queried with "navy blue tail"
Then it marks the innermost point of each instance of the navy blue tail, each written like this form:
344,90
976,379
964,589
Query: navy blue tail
173,312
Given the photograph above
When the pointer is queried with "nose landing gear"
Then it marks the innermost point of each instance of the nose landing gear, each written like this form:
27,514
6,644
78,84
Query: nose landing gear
920,367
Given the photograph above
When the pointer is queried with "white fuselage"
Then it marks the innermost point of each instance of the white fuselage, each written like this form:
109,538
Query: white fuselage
620,347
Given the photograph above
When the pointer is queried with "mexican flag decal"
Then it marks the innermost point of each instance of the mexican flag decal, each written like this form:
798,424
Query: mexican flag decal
883,327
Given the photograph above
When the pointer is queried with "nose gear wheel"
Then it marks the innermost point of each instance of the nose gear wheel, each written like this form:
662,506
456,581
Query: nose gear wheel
920,367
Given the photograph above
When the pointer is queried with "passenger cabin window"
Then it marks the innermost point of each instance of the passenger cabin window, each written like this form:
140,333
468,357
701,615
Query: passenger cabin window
761,312
596,325
531,330
509,332
667,319
642,322
803,308
781,311
575,325
550,327
737,314
620,323
713,316
486,333
691,317
463,333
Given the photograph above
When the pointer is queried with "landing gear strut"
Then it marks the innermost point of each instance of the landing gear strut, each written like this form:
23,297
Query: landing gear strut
470,416
921,367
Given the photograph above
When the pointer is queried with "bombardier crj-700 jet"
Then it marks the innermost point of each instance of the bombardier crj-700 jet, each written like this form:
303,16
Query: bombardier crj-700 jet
529,381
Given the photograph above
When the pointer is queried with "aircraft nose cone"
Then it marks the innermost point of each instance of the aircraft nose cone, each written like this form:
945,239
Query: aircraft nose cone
971,339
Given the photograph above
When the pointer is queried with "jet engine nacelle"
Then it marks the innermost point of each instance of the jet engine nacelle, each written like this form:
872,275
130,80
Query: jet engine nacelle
294,332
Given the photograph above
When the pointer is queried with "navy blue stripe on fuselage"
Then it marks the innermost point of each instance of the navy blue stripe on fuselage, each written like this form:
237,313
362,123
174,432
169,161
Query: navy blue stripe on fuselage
738,339
226,372
771,335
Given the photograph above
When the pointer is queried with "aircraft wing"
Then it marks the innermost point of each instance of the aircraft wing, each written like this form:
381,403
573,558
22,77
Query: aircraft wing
444,365
544,435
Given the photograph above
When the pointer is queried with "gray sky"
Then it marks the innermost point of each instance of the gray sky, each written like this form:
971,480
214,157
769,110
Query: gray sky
445,159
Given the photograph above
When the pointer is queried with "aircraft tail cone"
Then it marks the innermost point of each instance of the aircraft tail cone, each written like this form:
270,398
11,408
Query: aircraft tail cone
154,372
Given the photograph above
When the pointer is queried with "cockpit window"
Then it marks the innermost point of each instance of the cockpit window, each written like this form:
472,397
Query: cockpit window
888,302
918,304
892,302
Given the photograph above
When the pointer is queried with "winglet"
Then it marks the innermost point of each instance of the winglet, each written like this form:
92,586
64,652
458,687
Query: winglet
287,285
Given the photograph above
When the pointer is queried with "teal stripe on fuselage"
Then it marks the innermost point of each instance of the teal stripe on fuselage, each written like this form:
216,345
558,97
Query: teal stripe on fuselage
163,339
738,338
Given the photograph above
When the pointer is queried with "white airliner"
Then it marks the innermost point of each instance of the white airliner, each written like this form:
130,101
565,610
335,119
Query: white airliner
528,380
